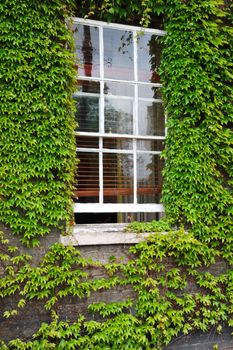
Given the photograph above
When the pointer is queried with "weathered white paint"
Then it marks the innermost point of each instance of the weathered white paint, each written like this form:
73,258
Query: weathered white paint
118,26
102,234
117,208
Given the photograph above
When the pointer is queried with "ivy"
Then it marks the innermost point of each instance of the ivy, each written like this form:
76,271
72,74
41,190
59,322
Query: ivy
158,274
36,117
37,170
196,72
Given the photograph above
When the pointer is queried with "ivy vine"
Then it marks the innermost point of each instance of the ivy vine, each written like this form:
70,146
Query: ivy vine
159,274
37,171
36,117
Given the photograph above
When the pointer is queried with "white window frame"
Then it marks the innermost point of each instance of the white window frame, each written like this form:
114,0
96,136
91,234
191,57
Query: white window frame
115,207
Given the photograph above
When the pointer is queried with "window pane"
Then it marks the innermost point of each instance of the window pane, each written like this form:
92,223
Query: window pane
150,145
87,114
117,143
88,177
119,89
149,178
149,53
118,116
87,50
89,86
87,142
151,119
149,91
118,54
118,178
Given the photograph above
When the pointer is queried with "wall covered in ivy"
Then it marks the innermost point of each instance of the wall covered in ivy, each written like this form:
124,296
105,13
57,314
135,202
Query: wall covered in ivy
36,117
174,284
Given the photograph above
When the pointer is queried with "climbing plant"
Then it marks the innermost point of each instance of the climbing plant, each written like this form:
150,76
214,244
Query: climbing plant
36,116
160,273
196,73
37,164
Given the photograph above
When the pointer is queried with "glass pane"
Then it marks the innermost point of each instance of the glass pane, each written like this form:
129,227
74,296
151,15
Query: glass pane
87,114
150,145
117,143
88,177
151,119
118,116
119,89
87,142
149,178
87,50
118,178
118,54
89,86
149,91
149,53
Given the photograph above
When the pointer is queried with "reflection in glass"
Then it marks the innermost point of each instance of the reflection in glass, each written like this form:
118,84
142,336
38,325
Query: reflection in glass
89,86
119,89
149,178
118,54
151,118
118,178
87,50
87,114
150,145
149,53
88,177
117,143
118,116
149,91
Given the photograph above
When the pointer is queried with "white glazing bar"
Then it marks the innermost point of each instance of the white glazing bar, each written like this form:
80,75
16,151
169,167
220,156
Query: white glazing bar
85,150
90,94
117,208
149,152
134,171
101,45
118,26
123,136
135,115
110,150
117,97
107,150
86,94
101,180
101,115
156,100
101,111
118,81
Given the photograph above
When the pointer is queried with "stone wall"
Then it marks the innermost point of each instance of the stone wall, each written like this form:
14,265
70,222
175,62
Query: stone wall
29,319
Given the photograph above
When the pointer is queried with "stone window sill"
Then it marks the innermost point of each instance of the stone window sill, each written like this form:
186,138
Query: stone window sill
101,234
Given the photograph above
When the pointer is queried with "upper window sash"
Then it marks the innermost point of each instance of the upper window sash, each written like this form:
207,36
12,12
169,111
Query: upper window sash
118,55
118,26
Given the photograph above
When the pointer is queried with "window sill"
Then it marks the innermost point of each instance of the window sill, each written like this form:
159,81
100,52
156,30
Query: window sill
101,234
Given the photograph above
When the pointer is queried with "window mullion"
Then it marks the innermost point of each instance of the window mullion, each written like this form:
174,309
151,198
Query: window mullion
101,115
135,115
101,180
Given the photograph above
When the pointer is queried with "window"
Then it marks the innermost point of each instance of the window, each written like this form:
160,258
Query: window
121,121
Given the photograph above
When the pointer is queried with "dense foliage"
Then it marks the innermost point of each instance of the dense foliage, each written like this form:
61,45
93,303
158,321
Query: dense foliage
162,272
36,116
37,163
196,71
